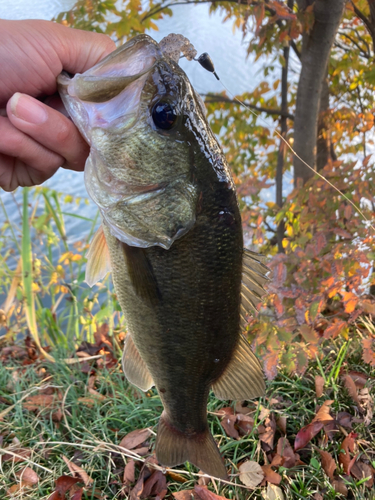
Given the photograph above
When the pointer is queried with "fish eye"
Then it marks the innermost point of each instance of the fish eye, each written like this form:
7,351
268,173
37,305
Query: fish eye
163,115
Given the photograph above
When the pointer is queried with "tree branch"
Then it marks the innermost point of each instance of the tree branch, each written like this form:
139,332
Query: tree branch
210,98
295,49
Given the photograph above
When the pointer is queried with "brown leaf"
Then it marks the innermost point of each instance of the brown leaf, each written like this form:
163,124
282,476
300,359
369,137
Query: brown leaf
352,390
38,402
28,475
186,495
285,451
359,378
63,484
319,385
22,454
205,494
361,470
318,496
323,413
281,423
129,472
245,424
339,486
228,424
251,473
155,485
268,435
270,475
135,438
344,419
348,446
328,464
203,480
75,469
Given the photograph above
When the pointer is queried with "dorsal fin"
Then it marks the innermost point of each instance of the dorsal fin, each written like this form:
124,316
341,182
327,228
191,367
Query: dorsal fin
253,280
98,259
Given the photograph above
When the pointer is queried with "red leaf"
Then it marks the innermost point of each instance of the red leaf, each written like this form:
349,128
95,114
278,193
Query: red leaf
205,494
306,434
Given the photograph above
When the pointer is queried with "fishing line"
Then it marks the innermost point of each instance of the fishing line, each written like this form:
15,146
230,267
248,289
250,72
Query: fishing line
206,62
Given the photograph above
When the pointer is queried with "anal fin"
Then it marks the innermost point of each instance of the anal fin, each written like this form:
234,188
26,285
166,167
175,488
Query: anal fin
134,367
243,378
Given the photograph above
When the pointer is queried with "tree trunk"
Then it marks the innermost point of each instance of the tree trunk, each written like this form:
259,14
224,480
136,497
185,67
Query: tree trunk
282,148
325,150
316,47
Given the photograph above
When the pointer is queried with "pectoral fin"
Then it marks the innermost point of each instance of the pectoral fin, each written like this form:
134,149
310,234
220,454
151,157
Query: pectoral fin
243,377
98,260
142,275
134,367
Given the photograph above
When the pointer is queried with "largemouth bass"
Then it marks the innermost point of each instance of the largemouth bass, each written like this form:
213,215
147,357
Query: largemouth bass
172,236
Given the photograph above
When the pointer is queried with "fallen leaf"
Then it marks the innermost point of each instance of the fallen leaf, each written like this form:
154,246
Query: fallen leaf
135,438
28,475
347,447
359,378
228,422
352,390
361,470
344,419
281,423
319,385
204,479
77,495
129,472
63,484
306,434
75,469
339,486
318,496
39,402
270,475
205,494
268,435
251,473
285,451
244,423
323,413
328,464
176,477
16,454
310,430
155,485
273,493
367,405
185,495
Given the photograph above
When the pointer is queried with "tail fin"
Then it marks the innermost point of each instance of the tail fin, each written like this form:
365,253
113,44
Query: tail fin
174,447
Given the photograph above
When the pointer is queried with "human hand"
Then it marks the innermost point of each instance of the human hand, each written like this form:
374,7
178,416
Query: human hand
36,139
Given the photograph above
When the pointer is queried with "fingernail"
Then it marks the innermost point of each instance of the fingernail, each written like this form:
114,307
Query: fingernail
28,109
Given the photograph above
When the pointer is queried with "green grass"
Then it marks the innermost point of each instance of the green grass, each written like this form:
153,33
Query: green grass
90,434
